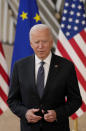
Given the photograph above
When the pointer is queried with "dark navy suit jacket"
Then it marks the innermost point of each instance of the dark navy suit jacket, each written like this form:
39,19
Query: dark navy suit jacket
61,83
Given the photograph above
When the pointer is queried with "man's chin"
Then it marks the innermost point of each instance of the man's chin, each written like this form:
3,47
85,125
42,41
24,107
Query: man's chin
41,57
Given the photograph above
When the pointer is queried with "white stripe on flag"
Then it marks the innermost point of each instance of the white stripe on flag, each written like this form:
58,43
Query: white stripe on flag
3,63
85,29
57,52
79,112
3,106
83,93
80,43
4,85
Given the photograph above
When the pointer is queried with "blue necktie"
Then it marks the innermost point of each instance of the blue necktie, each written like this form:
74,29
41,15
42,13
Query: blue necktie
40,80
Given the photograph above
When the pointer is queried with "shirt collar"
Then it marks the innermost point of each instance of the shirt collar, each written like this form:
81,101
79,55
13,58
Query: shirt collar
47,60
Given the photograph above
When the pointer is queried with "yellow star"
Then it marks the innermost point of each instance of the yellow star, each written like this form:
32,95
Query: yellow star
24,15
37,18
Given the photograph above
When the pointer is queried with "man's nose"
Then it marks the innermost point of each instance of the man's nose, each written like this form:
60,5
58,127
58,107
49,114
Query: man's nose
40,44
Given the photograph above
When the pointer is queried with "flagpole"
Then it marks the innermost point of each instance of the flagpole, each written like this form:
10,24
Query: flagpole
76,124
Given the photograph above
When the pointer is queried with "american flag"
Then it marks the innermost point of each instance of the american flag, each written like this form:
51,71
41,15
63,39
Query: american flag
4,82
72,43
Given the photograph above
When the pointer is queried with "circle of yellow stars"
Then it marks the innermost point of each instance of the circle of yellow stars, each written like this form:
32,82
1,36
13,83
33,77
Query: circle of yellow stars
24,16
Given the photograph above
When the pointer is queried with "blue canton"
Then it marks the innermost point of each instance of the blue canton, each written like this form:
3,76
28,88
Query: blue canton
74,18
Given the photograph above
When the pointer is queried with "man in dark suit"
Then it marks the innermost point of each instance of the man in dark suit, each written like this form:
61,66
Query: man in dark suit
40,84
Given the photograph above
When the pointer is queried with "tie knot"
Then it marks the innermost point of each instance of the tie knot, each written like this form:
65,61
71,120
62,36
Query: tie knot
42,63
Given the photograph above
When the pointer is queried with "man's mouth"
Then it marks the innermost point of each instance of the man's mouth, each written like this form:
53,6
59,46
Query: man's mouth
41,51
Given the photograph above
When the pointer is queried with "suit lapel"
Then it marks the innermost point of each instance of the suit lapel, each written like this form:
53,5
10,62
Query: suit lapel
33,76
30,71
54,69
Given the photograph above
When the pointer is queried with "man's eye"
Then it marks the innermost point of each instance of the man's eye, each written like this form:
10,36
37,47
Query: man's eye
36,42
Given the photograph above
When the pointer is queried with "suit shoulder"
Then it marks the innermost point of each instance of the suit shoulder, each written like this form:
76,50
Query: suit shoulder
63,60
24,60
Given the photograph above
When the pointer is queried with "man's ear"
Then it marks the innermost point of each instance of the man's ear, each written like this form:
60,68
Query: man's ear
51,43
31,44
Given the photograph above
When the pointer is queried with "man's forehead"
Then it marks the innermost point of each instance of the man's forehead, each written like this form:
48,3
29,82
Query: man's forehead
41,33
40,30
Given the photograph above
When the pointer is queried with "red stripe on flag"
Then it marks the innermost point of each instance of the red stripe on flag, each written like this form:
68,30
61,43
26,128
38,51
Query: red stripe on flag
4,75
74,116
83,34
1,49
63,51
1,111
83,107
78,50
3,95
81,79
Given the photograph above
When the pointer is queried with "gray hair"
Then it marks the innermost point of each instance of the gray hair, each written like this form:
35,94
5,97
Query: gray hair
39,27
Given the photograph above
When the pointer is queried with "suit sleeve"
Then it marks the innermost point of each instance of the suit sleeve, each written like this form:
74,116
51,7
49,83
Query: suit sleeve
14,96
74,99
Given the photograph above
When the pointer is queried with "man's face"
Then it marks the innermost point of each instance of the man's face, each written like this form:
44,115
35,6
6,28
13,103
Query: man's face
41,43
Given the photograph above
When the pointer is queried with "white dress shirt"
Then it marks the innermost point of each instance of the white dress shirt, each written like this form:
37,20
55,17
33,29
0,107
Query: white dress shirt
46,66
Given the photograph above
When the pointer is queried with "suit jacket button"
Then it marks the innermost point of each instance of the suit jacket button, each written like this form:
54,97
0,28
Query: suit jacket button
40,124
41,106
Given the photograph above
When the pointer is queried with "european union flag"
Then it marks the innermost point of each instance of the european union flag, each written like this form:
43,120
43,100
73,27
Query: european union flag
27,17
